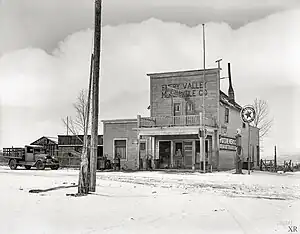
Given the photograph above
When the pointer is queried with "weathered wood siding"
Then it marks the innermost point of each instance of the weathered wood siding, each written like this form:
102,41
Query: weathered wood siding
190,82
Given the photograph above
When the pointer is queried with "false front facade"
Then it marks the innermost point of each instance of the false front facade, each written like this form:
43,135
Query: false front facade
170,135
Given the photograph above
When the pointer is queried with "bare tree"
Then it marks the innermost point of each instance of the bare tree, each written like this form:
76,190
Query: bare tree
78,125
263,121
81,121
69,124
82,124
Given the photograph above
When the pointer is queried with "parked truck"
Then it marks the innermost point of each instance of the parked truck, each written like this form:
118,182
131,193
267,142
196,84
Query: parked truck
30,156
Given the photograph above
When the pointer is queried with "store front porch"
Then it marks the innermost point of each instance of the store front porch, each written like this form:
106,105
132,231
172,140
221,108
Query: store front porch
180,151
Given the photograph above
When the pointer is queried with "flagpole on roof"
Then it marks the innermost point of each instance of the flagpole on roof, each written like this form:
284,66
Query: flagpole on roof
203,102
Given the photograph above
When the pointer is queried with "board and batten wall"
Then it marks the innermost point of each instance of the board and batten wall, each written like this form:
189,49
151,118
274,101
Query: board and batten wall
121,130
227,158
190,82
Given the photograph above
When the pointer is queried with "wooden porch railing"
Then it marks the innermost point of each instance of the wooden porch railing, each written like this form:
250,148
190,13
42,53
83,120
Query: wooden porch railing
169,121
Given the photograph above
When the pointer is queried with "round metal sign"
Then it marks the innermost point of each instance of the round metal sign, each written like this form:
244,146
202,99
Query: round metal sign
248,114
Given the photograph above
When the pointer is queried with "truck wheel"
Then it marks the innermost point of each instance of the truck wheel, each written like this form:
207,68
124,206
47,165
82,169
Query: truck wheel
13,164
27,167
40,165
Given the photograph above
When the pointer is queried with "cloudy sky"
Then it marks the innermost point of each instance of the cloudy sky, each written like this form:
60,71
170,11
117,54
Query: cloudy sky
45,48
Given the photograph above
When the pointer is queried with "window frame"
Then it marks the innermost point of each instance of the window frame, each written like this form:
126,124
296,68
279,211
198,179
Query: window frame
126,145
29,150
189,104
226,119
144,143
177,105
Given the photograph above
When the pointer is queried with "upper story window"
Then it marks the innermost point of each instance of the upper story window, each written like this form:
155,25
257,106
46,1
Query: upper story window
189,107
226,115
177,107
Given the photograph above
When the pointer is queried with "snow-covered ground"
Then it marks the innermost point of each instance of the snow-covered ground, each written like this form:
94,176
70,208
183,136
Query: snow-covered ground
150,202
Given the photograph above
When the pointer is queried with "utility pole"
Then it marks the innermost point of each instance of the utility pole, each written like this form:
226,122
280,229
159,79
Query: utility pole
203,105
84,174
95,95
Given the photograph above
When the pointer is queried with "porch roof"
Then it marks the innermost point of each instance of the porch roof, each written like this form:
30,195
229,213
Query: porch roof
166,131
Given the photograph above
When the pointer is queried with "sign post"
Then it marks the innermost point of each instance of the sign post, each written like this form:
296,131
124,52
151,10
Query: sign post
248,115
238,139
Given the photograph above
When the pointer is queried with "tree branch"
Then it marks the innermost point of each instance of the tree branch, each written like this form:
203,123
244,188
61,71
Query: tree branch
262,119
71,128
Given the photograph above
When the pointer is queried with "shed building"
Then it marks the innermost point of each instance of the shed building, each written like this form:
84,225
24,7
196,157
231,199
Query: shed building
49,143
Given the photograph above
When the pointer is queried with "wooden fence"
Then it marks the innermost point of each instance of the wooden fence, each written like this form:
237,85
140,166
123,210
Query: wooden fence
271,165
267,165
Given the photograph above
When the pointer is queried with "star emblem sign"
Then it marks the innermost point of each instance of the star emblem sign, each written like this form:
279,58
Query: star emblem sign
248,114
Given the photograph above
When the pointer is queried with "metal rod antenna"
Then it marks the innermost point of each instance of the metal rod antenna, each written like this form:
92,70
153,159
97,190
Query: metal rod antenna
203,102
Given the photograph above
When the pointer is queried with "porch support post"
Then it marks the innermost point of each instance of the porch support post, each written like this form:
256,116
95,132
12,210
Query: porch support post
194,155
172,154
138,142
210,146
216,149
157,149
153,151
138,151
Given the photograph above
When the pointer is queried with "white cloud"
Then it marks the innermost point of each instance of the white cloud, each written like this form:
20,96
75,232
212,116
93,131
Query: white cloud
262,54
41,23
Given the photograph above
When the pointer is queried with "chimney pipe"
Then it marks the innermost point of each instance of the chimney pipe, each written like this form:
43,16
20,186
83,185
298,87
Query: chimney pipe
230,88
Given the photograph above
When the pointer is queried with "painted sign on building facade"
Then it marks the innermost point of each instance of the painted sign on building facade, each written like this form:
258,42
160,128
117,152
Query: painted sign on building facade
187,89
227,143
182,86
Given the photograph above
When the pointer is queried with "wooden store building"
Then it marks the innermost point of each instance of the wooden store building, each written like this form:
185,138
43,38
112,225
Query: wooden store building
71,145
169,136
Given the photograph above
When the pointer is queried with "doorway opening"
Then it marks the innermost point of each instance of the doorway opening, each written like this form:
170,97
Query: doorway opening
164,154
178,155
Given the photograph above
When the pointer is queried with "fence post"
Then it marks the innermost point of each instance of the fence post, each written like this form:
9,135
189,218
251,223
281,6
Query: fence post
275,159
